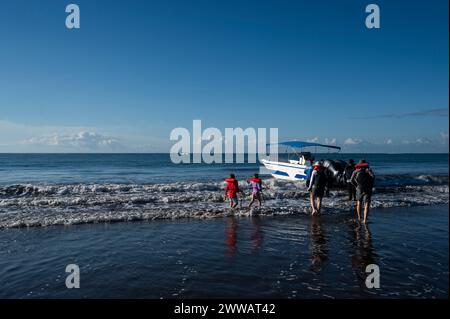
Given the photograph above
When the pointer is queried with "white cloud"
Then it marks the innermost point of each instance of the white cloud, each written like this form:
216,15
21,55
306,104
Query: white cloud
313,140
25,138
423,140
444,137
84,140
331,141
389,141
352,141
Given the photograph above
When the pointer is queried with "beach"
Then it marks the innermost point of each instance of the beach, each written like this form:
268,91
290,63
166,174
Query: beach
139,226
232,257
265,151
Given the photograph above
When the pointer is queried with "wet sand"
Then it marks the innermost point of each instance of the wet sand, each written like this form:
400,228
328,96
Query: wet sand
237,257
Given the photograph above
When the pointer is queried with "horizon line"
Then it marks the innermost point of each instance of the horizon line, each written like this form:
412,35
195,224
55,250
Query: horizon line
168,153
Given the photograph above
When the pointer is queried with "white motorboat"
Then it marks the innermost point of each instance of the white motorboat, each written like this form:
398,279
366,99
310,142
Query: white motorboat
298,169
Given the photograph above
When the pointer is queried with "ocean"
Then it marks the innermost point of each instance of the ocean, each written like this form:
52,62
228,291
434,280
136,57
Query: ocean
140,226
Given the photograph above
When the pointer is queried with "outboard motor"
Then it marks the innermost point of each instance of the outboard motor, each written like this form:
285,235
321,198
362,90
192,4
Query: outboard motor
342,165
330,165
335,170
341,179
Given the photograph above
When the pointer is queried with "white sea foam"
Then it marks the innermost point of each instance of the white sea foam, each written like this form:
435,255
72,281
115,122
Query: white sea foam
26,205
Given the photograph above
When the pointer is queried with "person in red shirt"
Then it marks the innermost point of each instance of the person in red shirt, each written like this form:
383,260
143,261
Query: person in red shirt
231,191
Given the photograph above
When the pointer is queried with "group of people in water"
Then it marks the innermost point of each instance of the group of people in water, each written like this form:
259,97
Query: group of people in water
232,190
359,180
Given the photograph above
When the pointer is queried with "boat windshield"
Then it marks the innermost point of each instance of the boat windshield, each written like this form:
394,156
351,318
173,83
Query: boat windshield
304,158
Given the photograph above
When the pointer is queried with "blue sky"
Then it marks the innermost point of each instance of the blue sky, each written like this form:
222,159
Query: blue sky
137,69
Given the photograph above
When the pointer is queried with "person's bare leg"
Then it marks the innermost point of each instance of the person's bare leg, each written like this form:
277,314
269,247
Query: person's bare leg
366,211
251,202
313,204
319,204
358,210
259,202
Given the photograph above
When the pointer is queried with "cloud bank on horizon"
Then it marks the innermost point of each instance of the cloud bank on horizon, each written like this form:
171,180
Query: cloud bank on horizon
90,141
85,140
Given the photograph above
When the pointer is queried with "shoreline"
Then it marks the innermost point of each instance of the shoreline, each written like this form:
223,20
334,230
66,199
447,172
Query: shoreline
224,213
250,257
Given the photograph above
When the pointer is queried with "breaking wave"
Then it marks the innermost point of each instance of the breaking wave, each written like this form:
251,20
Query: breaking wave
27,205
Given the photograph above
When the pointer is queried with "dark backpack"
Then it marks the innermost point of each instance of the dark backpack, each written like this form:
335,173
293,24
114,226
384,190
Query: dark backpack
364,179
320,180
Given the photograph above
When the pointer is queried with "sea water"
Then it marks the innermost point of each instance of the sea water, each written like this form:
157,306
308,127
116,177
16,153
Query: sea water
53,189
139,226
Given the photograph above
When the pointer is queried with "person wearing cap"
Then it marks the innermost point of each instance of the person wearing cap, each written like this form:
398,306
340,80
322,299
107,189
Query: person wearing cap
348,172
316,187
363,178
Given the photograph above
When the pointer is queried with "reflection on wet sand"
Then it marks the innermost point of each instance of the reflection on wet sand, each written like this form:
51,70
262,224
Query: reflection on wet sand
359,243
231,235
257,234
318,244
362,253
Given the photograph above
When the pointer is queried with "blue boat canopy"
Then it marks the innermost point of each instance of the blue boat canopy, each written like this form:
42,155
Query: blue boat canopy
301,144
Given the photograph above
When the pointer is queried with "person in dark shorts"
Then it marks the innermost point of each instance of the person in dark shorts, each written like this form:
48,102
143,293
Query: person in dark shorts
316,187
363,178
348,172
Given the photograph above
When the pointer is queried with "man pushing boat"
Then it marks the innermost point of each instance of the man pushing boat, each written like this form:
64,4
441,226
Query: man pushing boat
363,178
316,188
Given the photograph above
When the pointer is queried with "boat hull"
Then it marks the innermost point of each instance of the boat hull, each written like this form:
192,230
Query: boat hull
287,171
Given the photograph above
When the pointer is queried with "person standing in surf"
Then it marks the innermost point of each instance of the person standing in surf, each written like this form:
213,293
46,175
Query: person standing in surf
363,178
257,187
316,187
231,191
